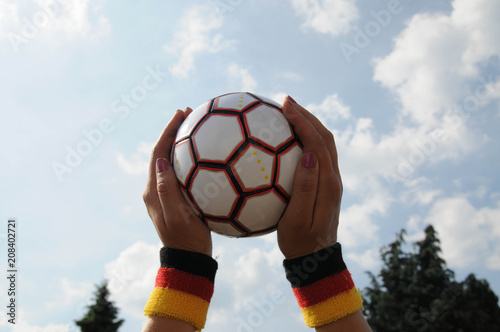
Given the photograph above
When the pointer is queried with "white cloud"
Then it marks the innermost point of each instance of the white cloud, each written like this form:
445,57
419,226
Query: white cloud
368,260
240,78
331,109
467,232
256,268
334,17
194,37
8,15
278,97
433,68
79,18
250,276
138,162
23,326
61,19
420,194
437,55
291,76
356,221
71,292
131,277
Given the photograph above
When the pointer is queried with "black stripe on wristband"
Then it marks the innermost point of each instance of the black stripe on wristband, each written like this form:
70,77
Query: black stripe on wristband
190,262
306,270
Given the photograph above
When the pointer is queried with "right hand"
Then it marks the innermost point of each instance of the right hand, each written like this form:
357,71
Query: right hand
176,224
311,218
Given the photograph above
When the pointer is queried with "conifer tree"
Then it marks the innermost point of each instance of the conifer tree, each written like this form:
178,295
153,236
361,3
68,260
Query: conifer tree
477,306
415,291
102,315
387,297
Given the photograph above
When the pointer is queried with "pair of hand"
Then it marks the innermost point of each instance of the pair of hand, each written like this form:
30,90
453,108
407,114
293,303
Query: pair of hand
310,220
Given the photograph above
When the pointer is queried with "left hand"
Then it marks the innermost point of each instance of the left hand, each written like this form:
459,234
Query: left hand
176,223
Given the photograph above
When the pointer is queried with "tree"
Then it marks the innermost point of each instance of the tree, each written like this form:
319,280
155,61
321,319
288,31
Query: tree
102,315
415,291
478,306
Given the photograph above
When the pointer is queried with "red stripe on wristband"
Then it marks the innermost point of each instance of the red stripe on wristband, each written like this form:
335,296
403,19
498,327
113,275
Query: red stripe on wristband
324,289
185,282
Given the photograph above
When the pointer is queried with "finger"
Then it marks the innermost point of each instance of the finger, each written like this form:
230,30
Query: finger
178,215
322,130
161,150
165,141
332,184
168,189
313,141
300,209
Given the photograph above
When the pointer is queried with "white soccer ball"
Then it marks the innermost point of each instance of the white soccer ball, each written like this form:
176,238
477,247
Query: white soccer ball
235,158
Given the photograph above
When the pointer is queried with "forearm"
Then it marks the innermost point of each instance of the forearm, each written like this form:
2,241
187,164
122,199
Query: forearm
352,323
164,324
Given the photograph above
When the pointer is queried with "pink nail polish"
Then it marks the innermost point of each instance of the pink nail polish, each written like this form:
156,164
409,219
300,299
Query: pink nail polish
161,165
293,100
309,160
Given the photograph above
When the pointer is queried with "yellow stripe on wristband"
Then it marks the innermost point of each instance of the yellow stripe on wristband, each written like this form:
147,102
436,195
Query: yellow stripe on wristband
176,304
332,309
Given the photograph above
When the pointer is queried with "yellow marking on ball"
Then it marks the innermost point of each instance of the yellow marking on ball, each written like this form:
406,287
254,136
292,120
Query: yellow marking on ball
262,169
255,153
266,177
259,161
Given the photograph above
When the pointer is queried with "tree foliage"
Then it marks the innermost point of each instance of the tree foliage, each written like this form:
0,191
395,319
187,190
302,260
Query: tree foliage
102,315
415,291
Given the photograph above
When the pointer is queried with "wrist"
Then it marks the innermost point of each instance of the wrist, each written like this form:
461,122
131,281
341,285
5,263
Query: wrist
323,286
184,287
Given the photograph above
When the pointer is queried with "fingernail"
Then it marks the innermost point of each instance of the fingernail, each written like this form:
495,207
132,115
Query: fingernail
161,165
293,100
309,160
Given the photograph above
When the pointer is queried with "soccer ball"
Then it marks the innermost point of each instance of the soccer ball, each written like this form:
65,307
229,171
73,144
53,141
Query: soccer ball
235,158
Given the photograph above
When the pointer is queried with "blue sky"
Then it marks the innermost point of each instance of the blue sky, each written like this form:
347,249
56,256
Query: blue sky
410,89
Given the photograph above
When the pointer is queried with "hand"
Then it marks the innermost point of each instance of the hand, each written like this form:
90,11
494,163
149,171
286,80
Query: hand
175,222
311,218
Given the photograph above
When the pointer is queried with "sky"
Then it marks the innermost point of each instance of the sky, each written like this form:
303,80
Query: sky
409,88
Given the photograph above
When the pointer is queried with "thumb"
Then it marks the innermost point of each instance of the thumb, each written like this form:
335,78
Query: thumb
184,230
300,209
170,195
165,180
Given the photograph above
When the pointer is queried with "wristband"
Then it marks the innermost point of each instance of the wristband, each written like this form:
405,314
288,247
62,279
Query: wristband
184,287
323,286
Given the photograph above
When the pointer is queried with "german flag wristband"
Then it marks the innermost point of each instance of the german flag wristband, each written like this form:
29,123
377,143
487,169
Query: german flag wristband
323,286
184,287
